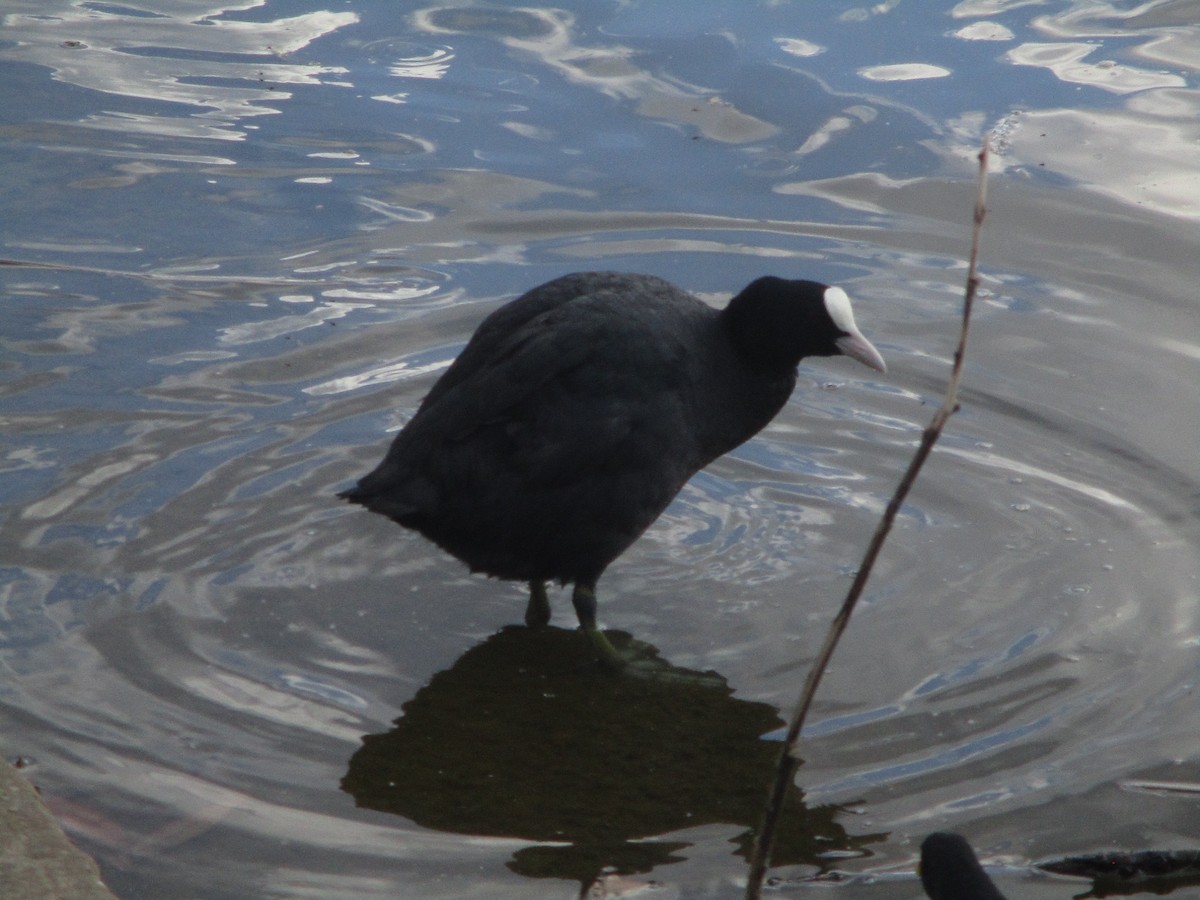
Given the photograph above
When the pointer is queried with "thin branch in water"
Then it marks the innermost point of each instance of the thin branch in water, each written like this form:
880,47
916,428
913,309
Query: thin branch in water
789,758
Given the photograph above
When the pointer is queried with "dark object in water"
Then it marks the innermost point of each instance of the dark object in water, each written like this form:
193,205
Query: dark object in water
577,412
951,871
1147,871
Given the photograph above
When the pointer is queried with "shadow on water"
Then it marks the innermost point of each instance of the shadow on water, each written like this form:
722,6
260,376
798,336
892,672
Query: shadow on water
520,740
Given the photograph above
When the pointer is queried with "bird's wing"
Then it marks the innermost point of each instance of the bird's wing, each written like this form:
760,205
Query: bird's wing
591,386
508,325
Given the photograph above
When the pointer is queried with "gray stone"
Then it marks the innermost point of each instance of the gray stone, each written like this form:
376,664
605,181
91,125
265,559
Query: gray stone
37,859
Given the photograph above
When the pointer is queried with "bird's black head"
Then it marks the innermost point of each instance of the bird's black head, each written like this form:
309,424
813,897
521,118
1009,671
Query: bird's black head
775,323
950,870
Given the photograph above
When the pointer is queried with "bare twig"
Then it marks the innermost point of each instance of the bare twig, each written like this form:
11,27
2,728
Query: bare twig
789,758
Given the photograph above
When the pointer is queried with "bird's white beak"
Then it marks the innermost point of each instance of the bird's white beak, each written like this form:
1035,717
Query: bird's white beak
853,344
858,347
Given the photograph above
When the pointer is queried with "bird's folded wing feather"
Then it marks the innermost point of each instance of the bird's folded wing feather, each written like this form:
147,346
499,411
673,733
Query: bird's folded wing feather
578,389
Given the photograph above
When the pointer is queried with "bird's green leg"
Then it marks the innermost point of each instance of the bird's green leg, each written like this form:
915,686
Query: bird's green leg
537,613
584,600
538,610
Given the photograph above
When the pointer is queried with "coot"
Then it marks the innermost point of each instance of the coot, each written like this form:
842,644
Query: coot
950,870
577,412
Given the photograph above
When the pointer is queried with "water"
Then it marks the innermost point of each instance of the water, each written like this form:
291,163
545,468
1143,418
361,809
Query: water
241,241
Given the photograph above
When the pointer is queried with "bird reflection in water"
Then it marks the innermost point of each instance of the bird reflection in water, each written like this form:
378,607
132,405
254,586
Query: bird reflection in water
600,775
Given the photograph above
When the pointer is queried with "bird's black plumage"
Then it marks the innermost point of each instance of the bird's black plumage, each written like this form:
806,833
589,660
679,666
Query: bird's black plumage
951,871
577,412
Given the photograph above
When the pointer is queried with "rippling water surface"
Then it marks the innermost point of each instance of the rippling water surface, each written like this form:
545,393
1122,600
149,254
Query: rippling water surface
240,241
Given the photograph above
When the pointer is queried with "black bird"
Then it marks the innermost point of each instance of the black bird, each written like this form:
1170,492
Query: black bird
579,410
950,870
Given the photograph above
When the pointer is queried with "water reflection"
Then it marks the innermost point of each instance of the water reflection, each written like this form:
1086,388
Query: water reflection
518,739
196,57
1136,156
611,69
1142,154
194,639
